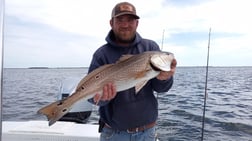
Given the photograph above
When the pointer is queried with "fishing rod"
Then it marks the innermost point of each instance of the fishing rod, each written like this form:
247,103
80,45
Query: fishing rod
204,110
162,44
1,59
162,40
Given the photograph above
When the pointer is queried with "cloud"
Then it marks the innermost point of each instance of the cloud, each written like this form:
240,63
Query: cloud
37,44
67,32
181,3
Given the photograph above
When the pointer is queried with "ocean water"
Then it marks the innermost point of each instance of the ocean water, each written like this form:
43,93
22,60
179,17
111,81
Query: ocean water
228,107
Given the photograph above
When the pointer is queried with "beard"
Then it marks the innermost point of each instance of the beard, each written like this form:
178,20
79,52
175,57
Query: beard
125,36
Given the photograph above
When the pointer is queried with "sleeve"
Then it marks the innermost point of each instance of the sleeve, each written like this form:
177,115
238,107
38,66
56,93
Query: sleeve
155,46
95,63
162,85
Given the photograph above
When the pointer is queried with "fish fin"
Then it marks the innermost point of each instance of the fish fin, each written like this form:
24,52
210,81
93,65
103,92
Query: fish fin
92,74
124,57
54,111
140,85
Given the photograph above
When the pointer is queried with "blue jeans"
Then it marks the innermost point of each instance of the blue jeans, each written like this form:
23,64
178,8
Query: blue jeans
108,134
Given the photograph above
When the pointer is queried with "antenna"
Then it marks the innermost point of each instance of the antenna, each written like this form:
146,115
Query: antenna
204,111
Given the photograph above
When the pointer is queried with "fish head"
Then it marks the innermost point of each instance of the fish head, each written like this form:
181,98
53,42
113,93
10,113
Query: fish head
161,61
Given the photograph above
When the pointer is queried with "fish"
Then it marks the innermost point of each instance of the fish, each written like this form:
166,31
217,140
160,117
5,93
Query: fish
128,72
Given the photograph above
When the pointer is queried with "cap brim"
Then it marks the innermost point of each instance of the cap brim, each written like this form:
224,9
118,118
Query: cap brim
127,13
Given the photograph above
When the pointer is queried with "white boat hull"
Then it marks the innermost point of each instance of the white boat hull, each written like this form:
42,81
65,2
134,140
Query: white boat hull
40,131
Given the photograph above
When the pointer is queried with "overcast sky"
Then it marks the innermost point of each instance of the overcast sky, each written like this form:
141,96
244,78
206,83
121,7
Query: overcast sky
65,33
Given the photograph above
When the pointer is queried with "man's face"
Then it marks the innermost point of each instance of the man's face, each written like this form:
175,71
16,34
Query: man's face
124,28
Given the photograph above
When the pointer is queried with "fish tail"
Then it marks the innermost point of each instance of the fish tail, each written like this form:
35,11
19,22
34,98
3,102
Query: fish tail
54,111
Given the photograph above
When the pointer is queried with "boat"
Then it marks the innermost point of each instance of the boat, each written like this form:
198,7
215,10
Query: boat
82,110
71,127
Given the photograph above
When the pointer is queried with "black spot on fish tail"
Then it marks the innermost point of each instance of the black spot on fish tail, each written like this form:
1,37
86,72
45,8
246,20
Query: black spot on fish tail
60,103
64,110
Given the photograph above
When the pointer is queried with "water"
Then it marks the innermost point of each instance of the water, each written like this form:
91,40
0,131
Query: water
228,111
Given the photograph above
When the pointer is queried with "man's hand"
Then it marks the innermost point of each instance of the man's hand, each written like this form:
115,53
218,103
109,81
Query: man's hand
109,92
164,75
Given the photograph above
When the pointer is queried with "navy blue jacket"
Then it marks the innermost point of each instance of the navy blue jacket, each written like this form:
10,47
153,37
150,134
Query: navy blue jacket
127,109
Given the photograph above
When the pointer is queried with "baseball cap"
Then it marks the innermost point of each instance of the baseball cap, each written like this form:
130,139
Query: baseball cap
124,8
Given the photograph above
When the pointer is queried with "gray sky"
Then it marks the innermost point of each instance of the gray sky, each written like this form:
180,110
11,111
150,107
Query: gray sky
65,33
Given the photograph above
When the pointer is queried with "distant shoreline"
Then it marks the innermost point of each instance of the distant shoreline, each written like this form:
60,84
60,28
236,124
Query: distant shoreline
57,67
50,68
38,68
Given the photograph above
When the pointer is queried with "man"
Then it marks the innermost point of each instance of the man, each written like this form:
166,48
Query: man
125,116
